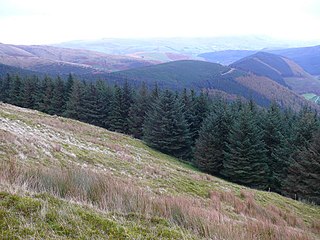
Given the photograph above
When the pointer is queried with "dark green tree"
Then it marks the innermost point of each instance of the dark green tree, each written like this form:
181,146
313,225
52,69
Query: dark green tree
58,101
4,88
165,127
74,104
245,159
30,92
303,180
15,91
104,98
277,146
116,120
211,144
138,111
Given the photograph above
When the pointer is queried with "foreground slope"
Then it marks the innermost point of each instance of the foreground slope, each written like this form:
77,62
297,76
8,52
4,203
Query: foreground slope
65,179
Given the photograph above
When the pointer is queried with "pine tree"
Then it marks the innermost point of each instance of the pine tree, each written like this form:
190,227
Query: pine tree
278,148
245,159
15,91
4,88
29,92
68,86
305,126
104,98
116,120
165,127
201,109
46,95
303,181
138,111
211,144
74,104
126,101
89,107
58,101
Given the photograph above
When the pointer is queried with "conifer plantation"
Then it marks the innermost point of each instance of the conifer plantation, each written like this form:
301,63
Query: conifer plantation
270,149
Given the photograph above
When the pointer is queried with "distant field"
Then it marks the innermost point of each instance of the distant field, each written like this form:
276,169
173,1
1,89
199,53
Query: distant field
312,97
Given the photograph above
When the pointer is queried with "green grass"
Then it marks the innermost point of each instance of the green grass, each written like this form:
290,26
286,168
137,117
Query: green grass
312,97
43,216
153,195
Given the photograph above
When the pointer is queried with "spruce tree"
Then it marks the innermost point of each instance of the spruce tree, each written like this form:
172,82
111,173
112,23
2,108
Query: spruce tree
201,109
4,88
89,107
104,97
47,87
211,144
278,148
138,111
303,180
126,102
74,104
30,92
165,127
15,91
116,120
58,101
245,159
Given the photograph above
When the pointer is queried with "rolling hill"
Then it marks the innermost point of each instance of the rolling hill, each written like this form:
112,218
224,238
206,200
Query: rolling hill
226,57
280,69
54,60
307,57
5,69
64,179
215,78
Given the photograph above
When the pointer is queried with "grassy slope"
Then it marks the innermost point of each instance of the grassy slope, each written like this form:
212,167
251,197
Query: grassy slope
125,189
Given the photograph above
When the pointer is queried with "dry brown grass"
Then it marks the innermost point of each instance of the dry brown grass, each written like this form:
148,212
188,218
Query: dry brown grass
207,218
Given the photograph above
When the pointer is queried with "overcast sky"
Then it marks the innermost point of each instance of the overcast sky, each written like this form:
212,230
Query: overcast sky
44,21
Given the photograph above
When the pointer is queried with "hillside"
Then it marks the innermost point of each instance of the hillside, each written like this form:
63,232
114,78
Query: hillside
280,69
54,60
307,57
64,179
200,75
5,69
226,57
185,47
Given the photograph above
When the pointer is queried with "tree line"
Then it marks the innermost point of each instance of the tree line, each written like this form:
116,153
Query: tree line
272,149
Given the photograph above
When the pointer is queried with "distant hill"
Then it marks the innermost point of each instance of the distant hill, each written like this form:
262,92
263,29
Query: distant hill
54,60
5,69
212,77
280,69
307,57
164,49
266,64
226,57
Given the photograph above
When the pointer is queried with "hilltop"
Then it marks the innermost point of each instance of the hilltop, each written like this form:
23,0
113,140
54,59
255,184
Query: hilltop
55,60
306,57
215,78
66,179
281,70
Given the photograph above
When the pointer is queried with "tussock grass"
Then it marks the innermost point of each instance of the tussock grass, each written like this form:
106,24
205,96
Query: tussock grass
114,177
204,218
